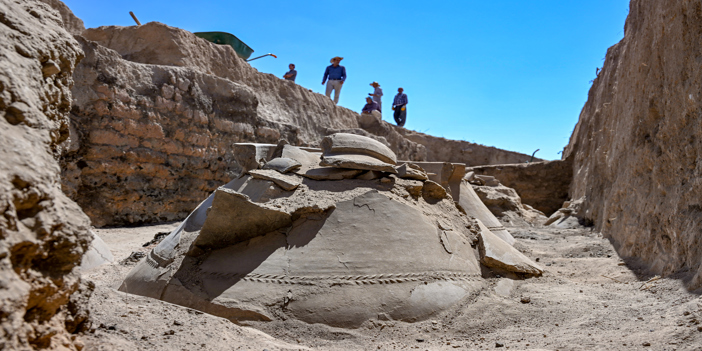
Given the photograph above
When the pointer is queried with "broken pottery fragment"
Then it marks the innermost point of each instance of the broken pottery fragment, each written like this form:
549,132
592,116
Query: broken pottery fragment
344,143
308,159
330,173
496,253
282,164
471,203
252,155
447,174
98,254
287,182
362,162
411,171
233,218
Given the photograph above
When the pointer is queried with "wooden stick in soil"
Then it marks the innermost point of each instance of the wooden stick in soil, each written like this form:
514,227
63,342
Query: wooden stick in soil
135,19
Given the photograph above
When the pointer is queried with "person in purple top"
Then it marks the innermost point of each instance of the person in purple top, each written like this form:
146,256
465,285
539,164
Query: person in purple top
337,76
377,94
399,105
371,106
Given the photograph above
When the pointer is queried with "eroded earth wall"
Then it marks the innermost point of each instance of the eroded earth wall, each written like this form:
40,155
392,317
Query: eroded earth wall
43,234
150,142
638,143
460,151
542,185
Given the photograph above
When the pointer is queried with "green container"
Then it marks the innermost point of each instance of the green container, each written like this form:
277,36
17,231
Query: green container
222,38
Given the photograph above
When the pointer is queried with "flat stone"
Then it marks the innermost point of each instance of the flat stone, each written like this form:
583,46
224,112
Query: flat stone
488,180
362,162
330,173
495,252
344,143
282,164
286,182
411,171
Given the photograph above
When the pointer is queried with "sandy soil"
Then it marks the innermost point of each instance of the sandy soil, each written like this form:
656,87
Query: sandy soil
588,299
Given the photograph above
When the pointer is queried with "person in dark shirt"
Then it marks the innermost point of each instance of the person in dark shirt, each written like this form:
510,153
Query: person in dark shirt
337,77
399,105
292,73
371,106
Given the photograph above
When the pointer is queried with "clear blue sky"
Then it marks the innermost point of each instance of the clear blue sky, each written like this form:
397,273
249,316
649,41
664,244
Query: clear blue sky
513,74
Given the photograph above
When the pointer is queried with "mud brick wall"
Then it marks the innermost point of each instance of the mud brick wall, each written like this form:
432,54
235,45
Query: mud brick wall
149,142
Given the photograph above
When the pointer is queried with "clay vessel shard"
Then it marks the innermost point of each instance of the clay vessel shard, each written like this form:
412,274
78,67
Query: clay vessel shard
233,218
282,164
361,162
251,155
330,173
344,143
286,182
496,253
308,159
471,203
411,171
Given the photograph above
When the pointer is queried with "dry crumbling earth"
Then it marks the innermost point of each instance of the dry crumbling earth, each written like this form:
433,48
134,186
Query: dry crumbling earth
43,234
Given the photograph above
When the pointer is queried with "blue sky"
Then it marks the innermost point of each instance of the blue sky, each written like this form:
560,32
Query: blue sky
513,74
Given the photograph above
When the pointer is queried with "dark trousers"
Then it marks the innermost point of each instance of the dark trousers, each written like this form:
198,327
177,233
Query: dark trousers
400,115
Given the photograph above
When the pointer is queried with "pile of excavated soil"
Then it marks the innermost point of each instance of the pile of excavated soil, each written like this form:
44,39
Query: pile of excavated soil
587,299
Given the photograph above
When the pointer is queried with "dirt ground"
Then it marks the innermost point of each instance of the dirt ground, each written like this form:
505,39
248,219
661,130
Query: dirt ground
588,299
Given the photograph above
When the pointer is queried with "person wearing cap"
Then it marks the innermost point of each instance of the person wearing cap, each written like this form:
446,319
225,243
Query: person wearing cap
337,77
292,73
377,94
399,105
370,106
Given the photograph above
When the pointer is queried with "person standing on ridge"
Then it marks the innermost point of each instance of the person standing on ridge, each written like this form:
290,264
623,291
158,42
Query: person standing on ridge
370,106
377,94
399,105
292,73
337,77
